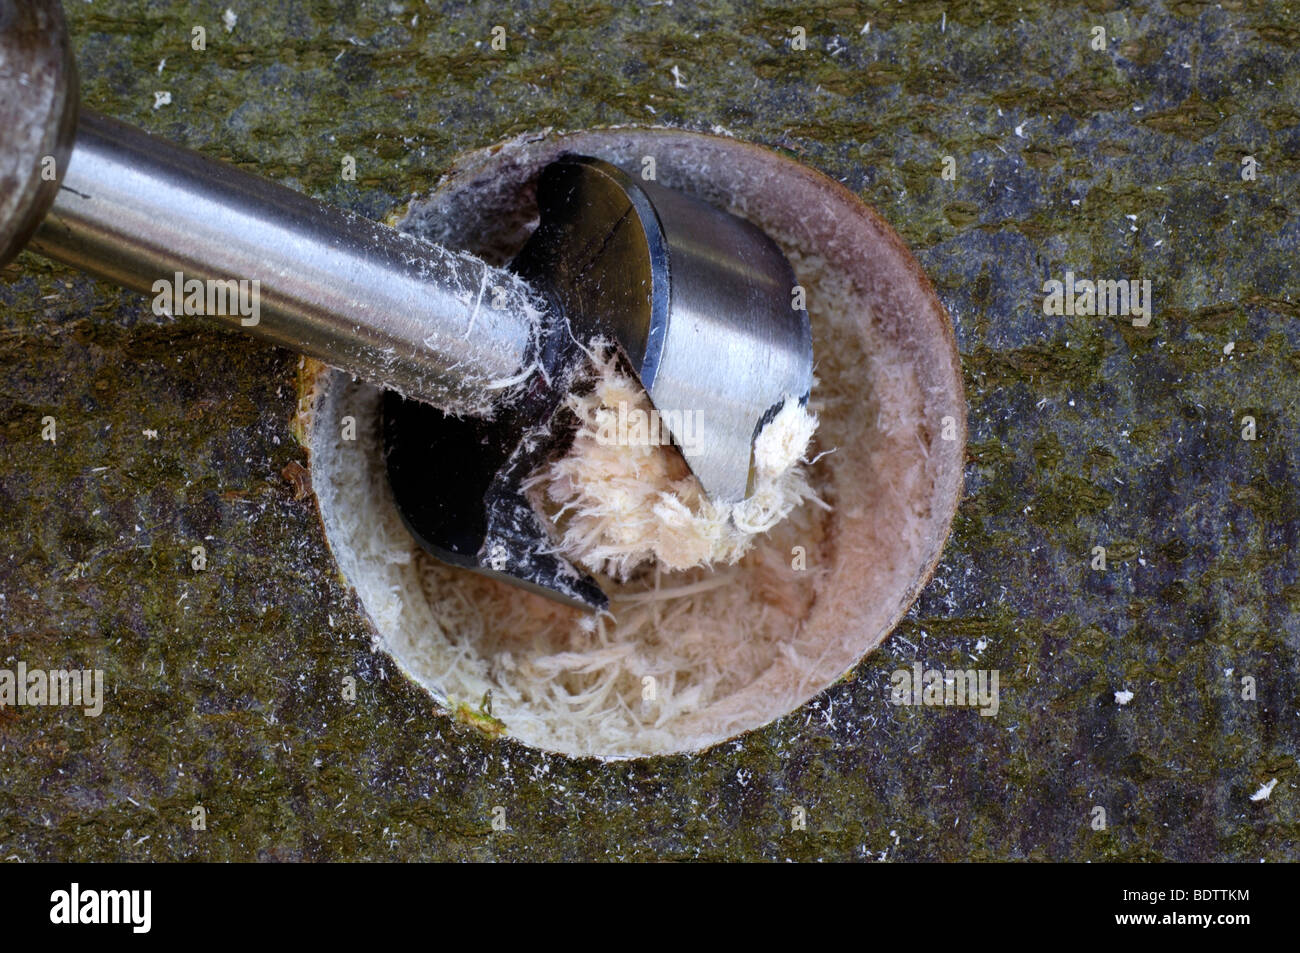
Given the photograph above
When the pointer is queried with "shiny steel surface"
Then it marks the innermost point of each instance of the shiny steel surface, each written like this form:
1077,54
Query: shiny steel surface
433,324
700,300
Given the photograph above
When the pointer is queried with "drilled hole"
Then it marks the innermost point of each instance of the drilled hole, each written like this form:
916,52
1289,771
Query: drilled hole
741,646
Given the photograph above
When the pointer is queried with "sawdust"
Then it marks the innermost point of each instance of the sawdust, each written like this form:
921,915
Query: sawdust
623,497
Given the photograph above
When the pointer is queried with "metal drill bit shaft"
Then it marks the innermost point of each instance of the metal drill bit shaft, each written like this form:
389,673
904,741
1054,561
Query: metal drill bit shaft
433,324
